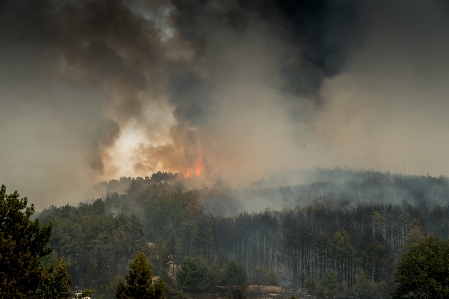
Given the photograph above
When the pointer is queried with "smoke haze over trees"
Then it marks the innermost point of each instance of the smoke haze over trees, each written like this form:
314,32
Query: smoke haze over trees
347,240
281,191
235,90
294,143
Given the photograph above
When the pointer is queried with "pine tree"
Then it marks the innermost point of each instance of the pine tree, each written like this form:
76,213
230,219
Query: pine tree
139,284
235,276
192,277
55,282
423,271
22,243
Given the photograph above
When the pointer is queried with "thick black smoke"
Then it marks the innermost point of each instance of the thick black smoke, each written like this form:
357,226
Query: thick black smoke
95,89
315,36
308,41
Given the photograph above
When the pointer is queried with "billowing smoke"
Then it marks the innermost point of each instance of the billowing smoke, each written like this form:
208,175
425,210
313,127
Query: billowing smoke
388,110
234,90
251,83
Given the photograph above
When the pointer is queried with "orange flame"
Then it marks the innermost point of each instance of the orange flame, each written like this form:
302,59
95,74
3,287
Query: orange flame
194,171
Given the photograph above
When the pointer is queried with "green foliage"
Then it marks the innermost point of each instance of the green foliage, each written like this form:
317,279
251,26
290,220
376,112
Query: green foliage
377,260
54,282
264,277
365,287
108,291
165,276
311,285
260,274
235,276
414,235
139,284
181,295
50,260
193,274
423,271
170,211
342,245
23,243
97,244
378,223
329,283
216,273
384,289
309,240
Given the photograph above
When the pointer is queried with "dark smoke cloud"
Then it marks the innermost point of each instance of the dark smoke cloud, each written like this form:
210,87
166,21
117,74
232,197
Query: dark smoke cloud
96,89
72,51
388,111
306,40
315,34
98,44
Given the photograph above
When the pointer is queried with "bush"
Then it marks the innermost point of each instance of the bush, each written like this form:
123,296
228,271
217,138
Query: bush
193,274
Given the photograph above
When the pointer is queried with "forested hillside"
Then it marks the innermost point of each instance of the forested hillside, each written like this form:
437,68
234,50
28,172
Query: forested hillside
341,236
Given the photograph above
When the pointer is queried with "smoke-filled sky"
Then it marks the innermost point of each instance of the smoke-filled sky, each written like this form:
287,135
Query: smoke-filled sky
93,90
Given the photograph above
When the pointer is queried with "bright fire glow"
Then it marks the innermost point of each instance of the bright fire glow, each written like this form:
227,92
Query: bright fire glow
194,171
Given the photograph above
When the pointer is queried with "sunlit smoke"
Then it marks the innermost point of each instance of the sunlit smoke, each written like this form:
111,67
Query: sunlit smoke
234,90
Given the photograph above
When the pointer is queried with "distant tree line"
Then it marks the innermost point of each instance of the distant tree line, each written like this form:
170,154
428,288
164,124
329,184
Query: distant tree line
323,247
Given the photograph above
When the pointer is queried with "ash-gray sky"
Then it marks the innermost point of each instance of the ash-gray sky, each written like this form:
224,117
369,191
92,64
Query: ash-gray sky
97,89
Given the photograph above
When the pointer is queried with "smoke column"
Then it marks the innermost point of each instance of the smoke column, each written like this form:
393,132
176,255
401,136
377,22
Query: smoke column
231,90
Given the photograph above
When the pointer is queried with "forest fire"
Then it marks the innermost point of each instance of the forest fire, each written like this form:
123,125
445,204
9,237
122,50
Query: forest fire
194,171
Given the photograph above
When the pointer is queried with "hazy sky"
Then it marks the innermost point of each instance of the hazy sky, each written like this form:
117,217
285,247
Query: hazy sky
92,90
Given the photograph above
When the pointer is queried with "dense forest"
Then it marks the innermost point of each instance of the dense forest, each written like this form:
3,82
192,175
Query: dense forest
343,232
